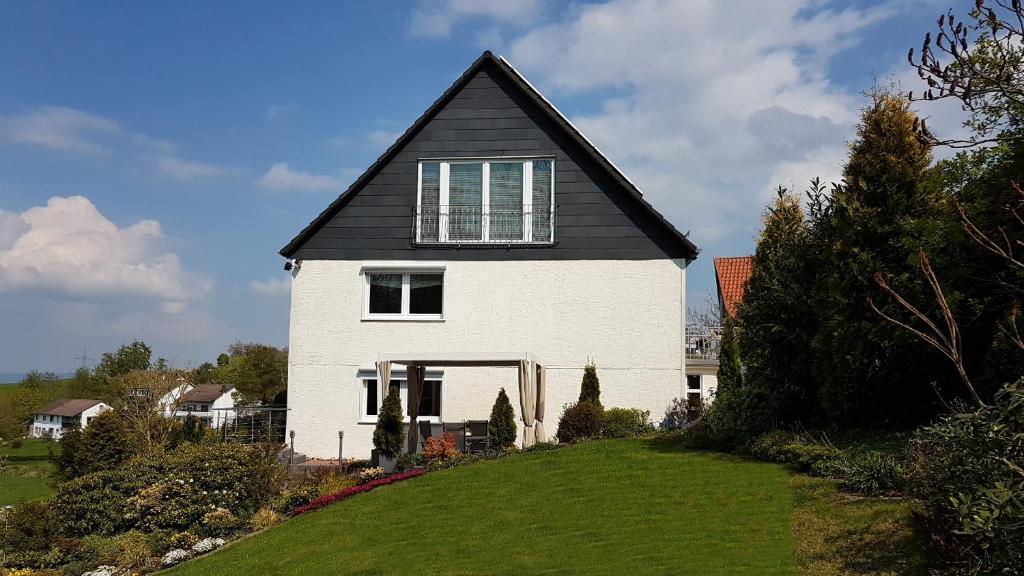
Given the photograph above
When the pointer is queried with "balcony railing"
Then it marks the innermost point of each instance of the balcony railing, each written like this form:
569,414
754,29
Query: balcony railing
478,225
703,342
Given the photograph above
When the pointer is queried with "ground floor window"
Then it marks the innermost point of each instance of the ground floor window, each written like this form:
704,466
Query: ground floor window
430,400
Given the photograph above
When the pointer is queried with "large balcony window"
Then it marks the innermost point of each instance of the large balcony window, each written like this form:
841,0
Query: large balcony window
497,201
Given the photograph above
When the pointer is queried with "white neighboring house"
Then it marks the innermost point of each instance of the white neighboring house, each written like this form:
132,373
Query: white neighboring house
213,404
492,237
52,419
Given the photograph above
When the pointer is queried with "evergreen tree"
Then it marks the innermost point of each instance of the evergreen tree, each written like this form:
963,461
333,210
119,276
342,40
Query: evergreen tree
590,389
501,428
871,371
68,459
191,429
777,317
389,435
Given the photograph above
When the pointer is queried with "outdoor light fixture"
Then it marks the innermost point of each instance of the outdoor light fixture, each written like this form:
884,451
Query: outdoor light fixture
292,264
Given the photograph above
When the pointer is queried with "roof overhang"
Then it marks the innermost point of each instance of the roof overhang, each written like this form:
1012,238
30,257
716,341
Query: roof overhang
457,359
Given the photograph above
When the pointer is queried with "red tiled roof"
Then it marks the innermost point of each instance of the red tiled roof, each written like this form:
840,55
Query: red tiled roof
732,275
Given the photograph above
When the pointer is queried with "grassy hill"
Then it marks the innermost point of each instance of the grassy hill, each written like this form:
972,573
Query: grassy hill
613,507
27,473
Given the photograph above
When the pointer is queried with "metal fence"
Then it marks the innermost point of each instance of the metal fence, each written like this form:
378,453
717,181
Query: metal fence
703,342
251,424
479,225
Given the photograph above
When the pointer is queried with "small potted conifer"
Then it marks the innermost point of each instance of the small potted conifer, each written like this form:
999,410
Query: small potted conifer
389,435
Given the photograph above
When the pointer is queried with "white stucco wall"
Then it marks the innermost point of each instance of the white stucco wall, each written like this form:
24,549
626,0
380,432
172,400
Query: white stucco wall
625,315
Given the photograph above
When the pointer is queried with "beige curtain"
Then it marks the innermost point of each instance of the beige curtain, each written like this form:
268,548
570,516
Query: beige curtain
415,379
527,400
383,381
541,385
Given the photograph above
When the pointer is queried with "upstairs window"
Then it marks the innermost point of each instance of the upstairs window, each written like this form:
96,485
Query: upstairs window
400,295
500,201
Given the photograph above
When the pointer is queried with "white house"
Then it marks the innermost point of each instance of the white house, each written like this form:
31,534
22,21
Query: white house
52,419
494,246
213,404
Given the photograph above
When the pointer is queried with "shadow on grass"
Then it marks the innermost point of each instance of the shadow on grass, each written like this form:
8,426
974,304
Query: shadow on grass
672,443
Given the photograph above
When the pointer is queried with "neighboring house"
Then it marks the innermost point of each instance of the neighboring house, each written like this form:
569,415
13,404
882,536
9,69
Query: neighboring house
213,404
167,395
492,234
52,419
703,345
731,277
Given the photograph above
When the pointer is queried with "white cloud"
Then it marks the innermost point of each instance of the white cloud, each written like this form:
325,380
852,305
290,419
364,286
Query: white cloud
276,110
68,246
280,177
436,19
271,286
183,169
12,226
60,128
706,105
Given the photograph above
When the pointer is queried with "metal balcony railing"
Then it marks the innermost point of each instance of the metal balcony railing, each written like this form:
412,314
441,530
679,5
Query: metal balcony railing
479,225
703,342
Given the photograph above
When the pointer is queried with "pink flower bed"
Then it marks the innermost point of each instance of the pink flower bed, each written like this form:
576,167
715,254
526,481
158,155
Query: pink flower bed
353,490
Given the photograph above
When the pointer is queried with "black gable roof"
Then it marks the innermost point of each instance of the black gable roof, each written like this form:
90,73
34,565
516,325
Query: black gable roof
668,238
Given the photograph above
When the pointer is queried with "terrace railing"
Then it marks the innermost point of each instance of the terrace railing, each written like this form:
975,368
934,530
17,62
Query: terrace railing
703,342
478,225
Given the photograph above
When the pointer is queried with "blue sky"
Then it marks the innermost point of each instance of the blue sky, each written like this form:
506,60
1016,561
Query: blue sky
155,156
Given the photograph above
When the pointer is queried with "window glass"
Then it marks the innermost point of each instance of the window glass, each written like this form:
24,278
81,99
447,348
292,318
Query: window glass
371,397
465,200
385,293
430,191
693,381
425,293
506,201
430,401
541,208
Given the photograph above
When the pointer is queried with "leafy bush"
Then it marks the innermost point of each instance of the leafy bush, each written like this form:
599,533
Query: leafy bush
408,461
590,388
445,463
625,422
969,469
682,412
502,428
580,421
171,490
183,540
737,416
220,522
16,444
28,527
442,449
291,499
389,434
133,551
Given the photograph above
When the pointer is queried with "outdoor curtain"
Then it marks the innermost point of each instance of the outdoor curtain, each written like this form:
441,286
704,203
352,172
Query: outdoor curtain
541,385
527,400
383,382
415,378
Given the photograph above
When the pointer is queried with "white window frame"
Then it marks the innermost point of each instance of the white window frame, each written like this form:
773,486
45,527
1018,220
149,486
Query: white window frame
485,195
405,271
365,376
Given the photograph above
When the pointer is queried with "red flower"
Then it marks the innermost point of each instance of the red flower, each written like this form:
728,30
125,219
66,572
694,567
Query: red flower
327,499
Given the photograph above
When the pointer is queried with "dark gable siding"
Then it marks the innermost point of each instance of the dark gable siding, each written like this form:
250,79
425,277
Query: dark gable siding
595,218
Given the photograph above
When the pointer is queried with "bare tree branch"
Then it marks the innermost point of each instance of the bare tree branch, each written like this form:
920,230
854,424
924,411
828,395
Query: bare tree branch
945,341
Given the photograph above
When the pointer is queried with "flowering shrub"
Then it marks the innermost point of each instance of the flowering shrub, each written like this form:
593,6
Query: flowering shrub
353,490
175,556
173,490
207,545
370,474
441,449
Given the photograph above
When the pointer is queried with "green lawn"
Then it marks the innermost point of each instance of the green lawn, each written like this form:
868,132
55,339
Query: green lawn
27,473
613,507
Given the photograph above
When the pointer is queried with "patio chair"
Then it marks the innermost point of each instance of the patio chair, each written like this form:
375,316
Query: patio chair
426,431
477,439
456,429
